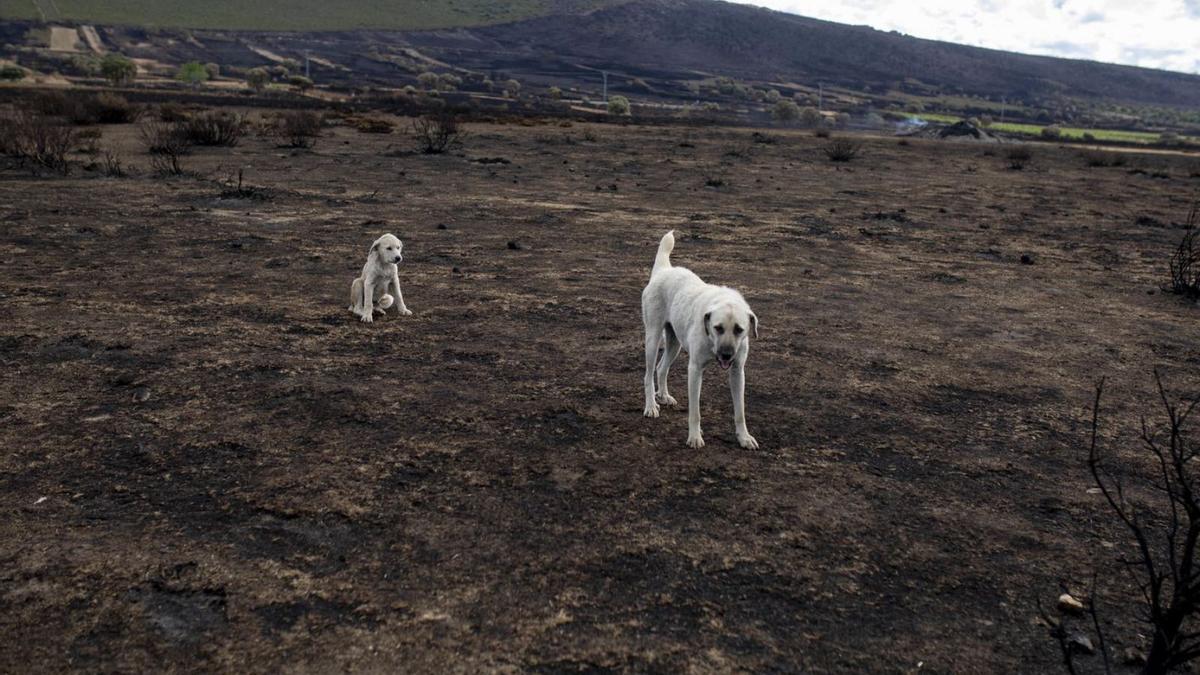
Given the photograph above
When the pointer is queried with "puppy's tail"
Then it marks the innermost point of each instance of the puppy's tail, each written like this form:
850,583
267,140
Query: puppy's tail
662,260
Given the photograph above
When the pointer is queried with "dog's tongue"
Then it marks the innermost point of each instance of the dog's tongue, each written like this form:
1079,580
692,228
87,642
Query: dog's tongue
725,364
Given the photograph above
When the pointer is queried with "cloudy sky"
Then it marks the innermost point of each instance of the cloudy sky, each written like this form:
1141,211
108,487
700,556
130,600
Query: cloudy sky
1151,33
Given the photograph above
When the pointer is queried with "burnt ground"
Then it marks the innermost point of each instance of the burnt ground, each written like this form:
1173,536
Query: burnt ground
209,464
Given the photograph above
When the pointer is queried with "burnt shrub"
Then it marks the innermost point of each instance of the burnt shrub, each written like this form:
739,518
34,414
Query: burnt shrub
106,108
42,142
1184,264
217,128
842,150
1018,157
438,132
299,128
164,138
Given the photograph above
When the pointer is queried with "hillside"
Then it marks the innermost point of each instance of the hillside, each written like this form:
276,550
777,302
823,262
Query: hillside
652,49
290,15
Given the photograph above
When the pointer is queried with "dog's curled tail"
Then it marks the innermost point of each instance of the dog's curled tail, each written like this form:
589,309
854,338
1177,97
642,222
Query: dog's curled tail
663,259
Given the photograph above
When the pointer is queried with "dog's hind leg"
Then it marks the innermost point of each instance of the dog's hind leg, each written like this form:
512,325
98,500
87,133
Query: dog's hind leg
356,296
653,338
670,353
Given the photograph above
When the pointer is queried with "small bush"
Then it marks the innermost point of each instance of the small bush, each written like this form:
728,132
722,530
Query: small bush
193,73
842,150
218,128
1184,265
42,141
108,108
172,112
12,73
299,128
51,104
1168,138
164,138
810,117
438,133
257,78
373,125
785,110
113,166
118,69
618,105
1018,158
1052,132
300,82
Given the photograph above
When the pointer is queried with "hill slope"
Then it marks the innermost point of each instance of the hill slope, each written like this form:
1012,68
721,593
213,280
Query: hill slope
291,15
755,43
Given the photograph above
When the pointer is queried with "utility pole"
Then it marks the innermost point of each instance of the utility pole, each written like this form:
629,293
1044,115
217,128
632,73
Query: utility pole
820,97
605,86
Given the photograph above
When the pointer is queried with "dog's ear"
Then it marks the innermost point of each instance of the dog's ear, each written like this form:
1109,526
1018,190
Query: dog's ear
754,324
707,318
374,250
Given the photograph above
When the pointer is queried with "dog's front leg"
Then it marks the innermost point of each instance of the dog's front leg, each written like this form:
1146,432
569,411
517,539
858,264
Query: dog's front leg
695,377
368,313
737,387
404,311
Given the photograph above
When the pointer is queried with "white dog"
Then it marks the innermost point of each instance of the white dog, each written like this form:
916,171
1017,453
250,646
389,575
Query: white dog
377,274
711,322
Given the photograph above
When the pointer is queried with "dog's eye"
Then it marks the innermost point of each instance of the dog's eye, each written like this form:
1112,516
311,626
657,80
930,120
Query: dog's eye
737,330
720,330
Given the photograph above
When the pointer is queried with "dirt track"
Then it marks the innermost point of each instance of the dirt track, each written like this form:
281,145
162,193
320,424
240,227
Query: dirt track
474,487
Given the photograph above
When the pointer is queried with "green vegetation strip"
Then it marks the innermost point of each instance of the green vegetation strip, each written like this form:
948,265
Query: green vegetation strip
1067,132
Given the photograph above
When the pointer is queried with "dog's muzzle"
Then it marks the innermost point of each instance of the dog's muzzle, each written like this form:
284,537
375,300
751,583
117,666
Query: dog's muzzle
725,360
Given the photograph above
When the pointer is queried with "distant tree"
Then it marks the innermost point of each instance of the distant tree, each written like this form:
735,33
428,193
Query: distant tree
300,82
1052,132
449,82
427,80
554,92
985,120
258,78
192,73
773,96
85,64
12,73
810,117
618,105
785,111
213,70
512,88
117,69
279,71
842,119
487,84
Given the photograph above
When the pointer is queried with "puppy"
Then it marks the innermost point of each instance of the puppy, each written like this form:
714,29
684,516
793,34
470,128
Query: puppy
680,311
377,274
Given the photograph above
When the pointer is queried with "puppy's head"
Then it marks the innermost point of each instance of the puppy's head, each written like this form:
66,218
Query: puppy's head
728,325
386,249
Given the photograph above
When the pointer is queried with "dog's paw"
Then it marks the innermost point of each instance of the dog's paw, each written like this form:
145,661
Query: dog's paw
404,311
666,399
367,318
695,442
747,441
651,410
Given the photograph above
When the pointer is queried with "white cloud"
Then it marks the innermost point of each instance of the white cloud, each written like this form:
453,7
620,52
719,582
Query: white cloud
1150,33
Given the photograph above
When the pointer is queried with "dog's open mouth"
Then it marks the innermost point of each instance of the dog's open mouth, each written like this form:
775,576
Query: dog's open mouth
724,363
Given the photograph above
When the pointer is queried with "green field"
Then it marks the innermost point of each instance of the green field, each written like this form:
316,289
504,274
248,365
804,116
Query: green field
1067,132
287,15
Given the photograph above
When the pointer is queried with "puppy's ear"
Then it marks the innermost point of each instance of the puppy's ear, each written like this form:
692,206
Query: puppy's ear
707,318
754,324
374,250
